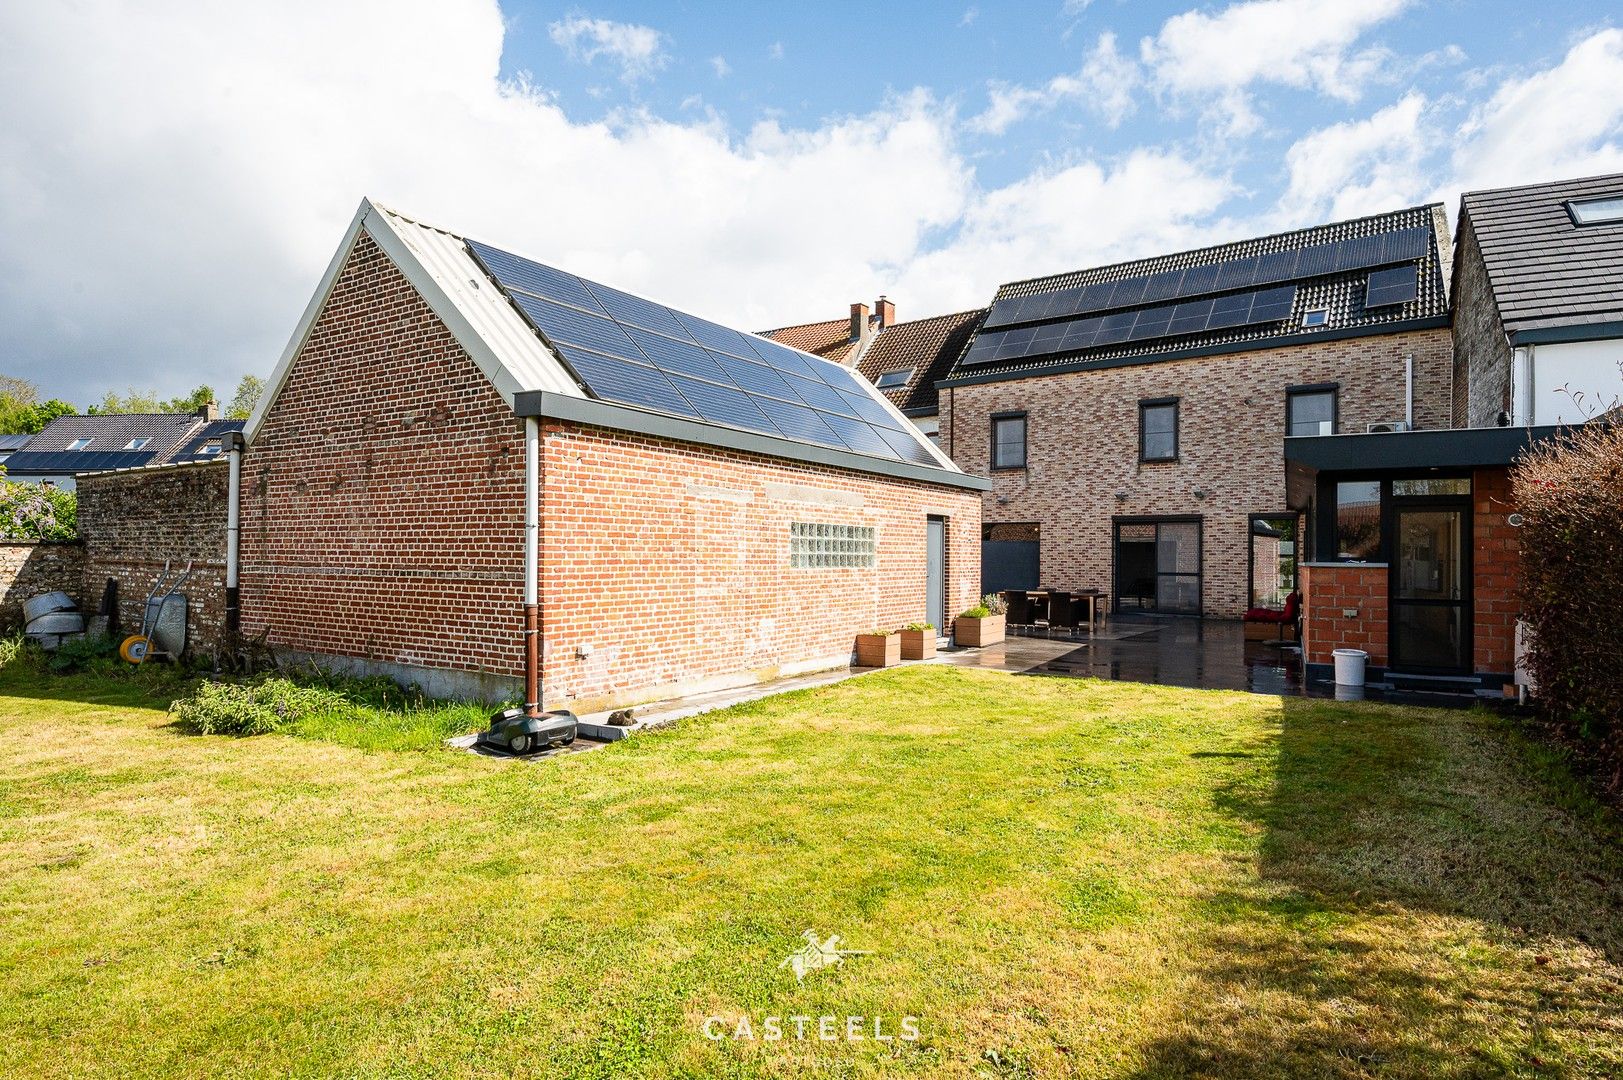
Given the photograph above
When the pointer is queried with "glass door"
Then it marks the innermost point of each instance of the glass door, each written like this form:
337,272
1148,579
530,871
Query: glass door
1158,565
1430,592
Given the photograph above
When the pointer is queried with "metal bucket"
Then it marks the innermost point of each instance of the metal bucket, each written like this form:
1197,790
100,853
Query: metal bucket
57,622
50,642
45,603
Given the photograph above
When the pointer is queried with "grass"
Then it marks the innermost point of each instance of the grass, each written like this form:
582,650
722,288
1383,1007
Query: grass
1055,877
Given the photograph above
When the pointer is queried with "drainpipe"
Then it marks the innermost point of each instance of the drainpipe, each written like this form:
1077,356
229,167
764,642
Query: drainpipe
532,550
1408,391
233,530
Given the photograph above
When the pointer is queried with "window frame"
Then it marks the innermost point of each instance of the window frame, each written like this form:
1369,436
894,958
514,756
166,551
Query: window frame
140,442
81,443
906,377
1572,206
1310,389
1323,314
1025,440
1177,420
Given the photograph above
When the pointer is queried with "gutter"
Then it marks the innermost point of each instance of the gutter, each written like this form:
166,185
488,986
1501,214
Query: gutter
234,443
532,559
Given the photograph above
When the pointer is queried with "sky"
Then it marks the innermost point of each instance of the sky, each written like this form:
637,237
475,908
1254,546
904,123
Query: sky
175,176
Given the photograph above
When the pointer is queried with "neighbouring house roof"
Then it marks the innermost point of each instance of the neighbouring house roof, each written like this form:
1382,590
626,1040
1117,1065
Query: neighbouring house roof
556,338
1546,270
925,349
206,443
1376,274
8,443
47,453
830,339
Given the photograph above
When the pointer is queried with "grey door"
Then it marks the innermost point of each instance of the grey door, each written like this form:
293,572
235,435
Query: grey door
935,572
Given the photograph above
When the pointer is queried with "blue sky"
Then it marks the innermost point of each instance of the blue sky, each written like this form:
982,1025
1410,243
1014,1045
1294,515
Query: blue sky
174,178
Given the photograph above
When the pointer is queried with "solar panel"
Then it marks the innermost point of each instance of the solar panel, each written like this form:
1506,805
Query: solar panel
1398,285
626,349
1317,260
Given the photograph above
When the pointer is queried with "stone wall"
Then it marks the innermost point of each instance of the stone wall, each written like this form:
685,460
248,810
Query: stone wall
131,522
1481,354
26,570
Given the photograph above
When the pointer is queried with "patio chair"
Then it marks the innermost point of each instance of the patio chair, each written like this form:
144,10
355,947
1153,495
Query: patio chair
1062,608
1278,618
1019,607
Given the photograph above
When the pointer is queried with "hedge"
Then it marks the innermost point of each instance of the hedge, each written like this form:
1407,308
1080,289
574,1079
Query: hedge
1570,494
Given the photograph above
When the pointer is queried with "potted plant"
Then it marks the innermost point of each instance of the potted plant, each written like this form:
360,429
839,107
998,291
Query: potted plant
879,648
918,641
982,624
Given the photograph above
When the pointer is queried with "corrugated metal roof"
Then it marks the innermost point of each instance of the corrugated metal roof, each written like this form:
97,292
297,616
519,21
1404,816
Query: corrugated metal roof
1545,269
927,348
1341,294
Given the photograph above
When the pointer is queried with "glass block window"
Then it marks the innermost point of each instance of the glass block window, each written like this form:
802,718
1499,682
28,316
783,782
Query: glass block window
814,546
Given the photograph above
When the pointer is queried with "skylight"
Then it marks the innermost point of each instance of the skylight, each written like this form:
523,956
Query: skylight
137,444
78,444
894,378
210,449
1596,211
1316,317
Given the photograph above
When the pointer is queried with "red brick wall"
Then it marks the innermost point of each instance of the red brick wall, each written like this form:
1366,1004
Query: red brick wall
1495,551
383,519
1329,590
382,504
130,522
671,561
1083,446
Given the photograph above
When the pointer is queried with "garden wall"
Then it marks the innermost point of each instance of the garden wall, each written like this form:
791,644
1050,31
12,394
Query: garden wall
131,521
26,570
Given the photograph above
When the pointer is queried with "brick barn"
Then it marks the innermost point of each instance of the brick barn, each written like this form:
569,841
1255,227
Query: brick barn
456,437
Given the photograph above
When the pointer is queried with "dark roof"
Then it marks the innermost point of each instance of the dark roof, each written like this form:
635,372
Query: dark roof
47,453
1324,267
13,442
927,348
1433,449
211,433
1545,269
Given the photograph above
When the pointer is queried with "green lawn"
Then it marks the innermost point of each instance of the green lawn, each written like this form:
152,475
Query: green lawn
1055,877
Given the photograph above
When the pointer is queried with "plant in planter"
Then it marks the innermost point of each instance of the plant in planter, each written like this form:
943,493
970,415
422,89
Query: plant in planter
918,641
879,648
982,624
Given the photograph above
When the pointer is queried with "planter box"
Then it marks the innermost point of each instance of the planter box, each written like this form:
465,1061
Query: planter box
977,633
917,644
876,651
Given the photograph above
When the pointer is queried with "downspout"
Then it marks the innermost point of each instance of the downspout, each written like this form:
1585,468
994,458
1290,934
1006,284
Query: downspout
233,532
532,552
1408,391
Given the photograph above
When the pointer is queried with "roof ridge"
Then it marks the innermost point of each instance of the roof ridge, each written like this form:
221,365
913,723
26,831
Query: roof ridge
1544,184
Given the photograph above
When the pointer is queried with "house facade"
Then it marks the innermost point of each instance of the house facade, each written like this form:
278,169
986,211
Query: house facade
1131,417
906,360
464,455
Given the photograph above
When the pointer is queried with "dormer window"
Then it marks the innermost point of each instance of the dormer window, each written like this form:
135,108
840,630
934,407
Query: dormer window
78,444
1596,211
137,444
894,378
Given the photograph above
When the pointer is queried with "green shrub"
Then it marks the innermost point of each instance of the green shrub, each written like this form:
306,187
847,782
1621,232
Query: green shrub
919,627
273,704
85,654
994,603
979,611
30,513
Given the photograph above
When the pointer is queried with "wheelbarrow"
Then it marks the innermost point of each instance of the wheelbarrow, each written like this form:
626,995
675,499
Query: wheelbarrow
163,621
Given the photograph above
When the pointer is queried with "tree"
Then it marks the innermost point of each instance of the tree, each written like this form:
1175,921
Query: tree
246,397
146,401
21,411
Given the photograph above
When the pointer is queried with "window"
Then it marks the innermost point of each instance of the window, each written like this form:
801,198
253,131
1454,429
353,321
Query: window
814,546
78,444
209,449
1316,317
1009,441
137,444
1158,430
894,378
1273,559
1433,486
1596,211
1358,520
1310,410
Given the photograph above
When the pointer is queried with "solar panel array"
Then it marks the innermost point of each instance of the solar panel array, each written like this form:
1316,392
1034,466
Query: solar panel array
1143,324
1317,260
636,352
1398,285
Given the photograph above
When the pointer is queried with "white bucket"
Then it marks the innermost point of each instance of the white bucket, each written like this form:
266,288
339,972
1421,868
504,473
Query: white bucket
1350,666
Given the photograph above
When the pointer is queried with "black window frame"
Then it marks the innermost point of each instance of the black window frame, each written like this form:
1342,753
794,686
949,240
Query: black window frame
1310,389
1025,440
1177,418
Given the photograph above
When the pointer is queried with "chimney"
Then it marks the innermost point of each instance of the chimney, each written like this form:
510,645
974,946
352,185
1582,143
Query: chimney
211,411
887,312
859,322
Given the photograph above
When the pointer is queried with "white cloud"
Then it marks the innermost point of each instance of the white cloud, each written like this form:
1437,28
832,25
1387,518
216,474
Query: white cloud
775,51
638,50
1104,84
1359,167
969,16
721,66
1564,121
1216,58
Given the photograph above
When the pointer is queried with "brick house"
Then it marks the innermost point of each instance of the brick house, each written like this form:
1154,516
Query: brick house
1413,537
462,453
842,341
906,360
1131,417
73,445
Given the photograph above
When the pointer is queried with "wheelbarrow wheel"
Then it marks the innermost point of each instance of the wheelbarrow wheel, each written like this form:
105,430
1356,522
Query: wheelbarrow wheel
134,649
